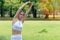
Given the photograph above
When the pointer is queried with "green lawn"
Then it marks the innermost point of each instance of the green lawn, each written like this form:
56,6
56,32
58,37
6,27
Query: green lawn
33,30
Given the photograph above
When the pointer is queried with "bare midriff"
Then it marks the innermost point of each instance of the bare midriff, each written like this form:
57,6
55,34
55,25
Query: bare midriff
15,32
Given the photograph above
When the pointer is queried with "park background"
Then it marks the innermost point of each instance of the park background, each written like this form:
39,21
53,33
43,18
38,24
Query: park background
42,9
42,23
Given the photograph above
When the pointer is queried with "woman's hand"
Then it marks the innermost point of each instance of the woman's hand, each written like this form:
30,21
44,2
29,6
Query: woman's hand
29,3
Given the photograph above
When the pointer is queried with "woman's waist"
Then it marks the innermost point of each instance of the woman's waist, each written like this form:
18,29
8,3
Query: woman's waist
15,32
16,36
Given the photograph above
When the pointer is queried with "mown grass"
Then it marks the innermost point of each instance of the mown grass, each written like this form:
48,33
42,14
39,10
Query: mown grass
33,30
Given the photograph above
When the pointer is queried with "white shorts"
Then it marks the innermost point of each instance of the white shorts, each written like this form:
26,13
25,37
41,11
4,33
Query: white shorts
16,37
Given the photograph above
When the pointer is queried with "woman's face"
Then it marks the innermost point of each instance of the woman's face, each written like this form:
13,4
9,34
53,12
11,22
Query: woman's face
21,15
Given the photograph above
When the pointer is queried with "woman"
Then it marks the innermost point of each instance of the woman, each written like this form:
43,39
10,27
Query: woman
18,20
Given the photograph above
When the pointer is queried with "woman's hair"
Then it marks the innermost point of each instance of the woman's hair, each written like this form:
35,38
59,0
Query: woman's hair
21,12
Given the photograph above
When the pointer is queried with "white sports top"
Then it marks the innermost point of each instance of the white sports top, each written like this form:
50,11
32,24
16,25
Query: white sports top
17,25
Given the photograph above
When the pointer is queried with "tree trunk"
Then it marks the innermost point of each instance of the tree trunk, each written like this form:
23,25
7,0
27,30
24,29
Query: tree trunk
2,13
11,11
34,12
46,16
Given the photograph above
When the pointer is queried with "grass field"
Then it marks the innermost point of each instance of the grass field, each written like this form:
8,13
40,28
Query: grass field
33,30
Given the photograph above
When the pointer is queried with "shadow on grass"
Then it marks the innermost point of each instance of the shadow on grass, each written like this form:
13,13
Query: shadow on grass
43,31
3,38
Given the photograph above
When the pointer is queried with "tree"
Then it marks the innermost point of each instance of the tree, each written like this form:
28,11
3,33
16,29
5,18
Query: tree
34,10
1,7
14,5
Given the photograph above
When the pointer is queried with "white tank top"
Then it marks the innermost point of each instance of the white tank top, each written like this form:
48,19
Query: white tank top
17,25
